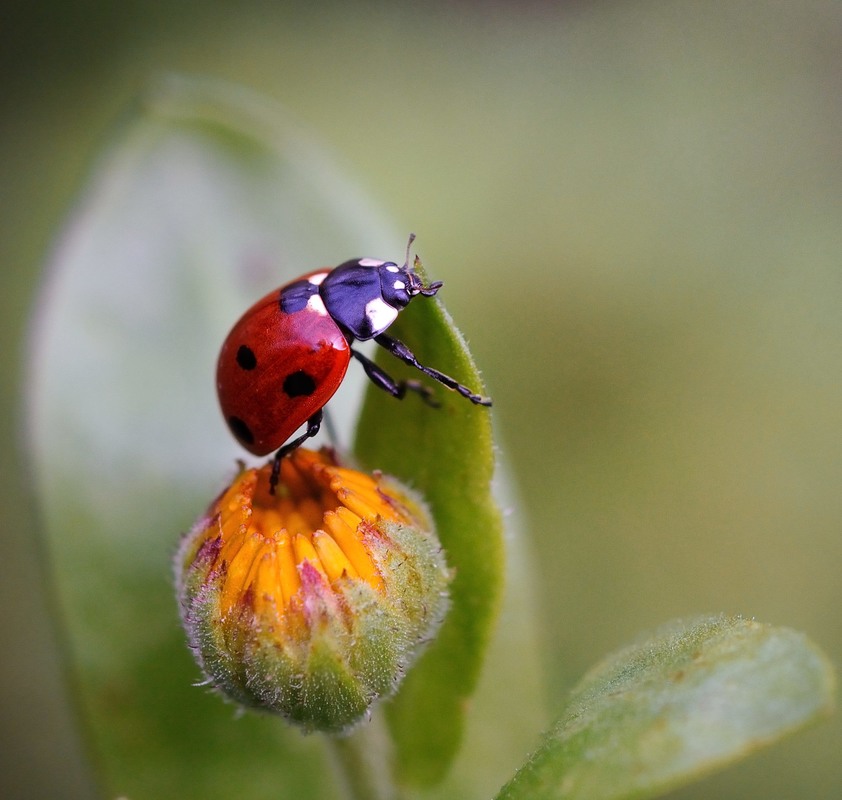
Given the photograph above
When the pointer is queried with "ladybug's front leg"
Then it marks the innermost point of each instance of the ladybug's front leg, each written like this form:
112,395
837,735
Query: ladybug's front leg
401,351
313,425
382,380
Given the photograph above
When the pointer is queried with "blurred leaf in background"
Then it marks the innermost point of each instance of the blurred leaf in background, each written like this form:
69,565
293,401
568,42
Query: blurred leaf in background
193,211
206,198
636,208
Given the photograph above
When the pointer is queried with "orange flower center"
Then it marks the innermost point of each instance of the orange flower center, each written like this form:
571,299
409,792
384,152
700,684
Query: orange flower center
320,514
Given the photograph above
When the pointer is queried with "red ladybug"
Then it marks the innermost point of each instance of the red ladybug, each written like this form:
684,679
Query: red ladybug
288,354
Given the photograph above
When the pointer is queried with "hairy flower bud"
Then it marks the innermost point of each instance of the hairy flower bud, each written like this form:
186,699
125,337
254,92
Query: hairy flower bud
314,601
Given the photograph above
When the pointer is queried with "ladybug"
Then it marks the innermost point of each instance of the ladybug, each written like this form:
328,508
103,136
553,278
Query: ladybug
288,354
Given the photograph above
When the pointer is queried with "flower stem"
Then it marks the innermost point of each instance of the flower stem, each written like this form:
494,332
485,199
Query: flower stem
362,761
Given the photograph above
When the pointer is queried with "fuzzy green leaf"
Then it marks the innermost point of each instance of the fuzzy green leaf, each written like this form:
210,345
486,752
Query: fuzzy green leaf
446,453
659,714
206,199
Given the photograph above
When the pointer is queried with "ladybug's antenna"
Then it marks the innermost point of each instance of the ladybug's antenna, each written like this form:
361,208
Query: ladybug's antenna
408,246
417,286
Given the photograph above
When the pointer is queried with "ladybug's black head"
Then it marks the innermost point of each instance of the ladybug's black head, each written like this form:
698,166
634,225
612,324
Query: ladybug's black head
398,285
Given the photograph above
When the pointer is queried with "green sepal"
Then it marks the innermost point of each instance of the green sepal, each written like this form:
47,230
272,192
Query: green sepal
447,455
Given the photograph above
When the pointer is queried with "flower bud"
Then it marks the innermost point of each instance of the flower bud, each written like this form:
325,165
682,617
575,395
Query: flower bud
313,601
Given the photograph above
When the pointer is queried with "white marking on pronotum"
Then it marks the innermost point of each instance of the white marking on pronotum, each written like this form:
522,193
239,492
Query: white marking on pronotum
315,303
399,285
371,262
393,268
317,279
380,315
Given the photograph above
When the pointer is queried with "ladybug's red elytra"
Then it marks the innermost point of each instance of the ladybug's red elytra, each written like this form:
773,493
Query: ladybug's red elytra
287,355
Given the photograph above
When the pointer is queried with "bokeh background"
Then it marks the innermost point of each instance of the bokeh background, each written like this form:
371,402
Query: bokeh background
637,208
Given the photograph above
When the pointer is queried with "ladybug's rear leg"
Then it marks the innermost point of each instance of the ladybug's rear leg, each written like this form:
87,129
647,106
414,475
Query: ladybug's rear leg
401,351
387,383
313,425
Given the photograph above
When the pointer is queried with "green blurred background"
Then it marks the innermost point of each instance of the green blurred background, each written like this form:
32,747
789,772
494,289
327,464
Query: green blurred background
636,208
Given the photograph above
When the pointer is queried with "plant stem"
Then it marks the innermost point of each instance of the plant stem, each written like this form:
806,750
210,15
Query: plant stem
362,761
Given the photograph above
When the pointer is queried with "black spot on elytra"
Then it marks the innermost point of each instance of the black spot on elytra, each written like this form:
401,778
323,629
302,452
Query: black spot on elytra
241,430
299,384
246,357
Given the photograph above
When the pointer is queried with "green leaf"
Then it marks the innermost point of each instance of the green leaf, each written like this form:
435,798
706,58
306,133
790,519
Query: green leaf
692,698
206,199
446,453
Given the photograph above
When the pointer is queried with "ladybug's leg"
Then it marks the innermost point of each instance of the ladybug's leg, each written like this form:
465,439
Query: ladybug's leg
313,425
401,351
387,383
